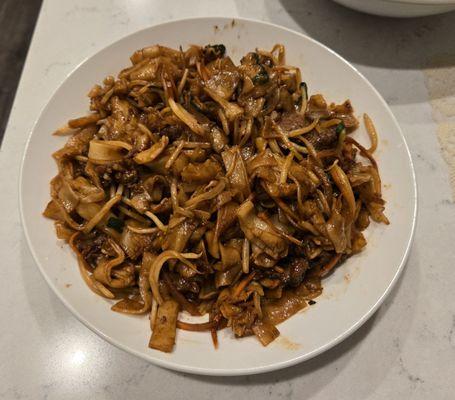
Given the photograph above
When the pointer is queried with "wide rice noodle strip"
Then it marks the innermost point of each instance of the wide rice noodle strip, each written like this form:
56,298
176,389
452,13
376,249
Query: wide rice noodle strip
343,184
158,264
279,230
283,308
107,151
62,214
164,331
63,193
236,171
371,132
87,192
103,271
187,118
102,213
265,332
92,283
153,152
62,231
231,110
130,306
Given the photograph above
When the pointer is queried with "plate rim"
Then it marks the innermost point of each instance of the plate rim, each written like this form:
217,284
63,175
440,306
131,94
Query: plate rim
169,364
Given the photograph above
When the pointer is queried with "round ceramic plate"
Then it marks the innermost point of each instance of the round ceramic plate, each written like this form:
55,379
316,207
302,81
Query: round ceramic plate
350,295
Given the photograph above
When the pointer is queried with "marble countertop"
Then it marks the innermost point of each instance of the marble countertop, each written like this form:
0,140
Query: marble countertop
406,350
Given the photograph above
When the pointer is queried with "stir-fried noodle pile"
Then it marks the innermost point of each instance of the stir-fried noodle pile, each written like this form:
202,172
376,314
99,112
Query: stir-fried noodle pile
217,189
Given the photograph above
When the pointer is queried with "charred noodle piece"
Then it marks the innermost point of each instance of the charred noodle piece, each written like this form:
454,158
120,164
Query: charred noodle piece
217,189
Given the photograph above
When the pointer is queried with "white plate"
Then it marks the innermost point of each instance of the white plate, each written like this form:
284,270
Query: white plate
351,294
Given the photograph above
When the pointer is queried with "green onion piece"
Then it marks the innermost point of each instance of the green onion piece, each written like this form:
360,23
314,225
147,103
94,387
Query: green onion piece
115,223
340,127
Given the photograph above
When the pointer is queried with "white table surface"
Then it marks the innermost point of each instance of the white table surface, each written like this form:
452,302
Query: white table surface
406,350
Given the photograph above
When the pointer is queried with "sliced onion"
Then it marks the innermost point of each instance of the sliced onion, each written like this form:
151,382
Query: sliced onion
200,327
